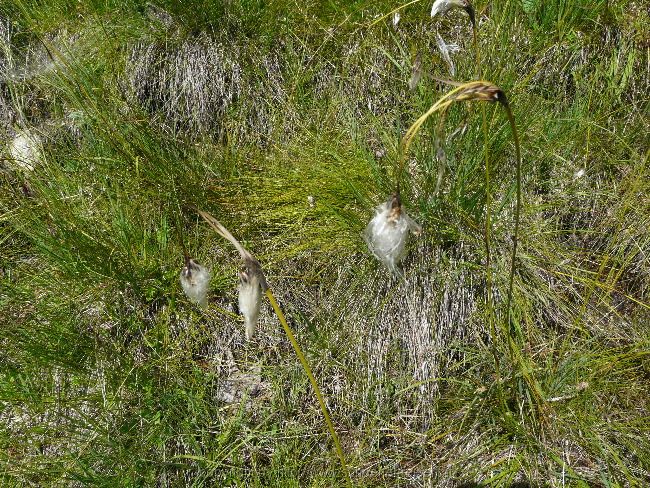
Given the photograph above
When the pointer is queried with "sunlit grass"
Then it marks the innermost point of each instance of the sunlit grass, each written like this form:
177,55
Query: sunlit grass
111,376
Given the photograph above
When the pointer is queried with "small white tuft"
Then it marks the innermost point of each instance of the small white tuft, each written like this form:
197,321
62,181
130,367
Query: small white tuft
195,280
440,7
396,19
250,300
387,232
446,50
26,149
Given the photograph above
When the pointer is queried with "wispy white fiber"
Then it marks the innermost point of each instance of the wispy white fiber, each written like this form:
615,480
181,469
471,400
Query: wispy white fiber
26,150
387,232
250,300
195,280
446,50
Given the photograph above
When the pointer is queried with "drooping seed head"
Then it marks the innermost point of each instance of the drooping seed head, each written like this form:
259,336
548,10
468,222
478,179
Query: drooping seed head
195,280
387,232
250,296
443,6
252,282
482,91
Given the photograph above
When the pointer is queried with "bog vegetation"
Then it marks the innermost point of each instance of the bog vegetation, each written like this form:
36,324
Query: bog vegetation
449,201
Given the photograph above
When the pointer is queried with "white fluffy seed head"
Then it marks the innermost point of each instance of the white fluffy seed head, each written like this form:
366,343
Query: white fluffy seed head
250,299
195,280
440,7
443,6
26,150
387,232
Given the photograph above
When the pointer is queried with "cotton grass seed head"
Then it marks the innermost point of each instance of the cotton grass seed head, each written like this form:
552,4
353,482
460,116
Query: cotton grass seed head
252,282
387,232
195,280
396,19
250,298
26,150
443,6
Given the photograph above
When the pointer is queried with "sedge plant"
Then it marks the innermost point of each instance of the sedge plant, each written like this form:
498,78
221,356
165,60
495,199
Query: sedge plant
387,232
487,92
476,91
252,285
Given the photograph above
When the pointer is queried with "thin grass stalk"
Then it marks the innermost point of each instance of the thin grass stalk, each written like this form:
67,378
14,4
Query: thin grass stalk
488,199
385,16
487,237
513,264
442,162
312,380
178,212
476,51
489,304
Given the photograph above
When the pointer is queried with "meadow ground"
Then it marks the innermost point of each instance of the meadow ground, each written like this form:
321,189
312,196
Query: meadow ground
283,120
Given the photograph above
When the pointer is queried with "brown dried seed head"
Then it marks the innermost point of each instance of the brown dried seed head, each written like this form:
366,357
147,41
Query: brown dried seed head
394,214
252,268
190,267
395,207
482,91
243,275
395,200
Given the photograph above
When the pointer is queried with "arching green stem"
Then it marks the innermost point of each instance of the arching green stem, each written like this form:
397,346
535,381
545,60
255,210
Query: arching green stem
253,266
405,144
475,91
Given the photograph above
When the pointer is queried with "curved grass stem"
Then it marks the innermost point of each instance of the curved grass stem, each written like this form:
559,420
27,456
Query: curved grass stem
477,91
312,380
405,144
